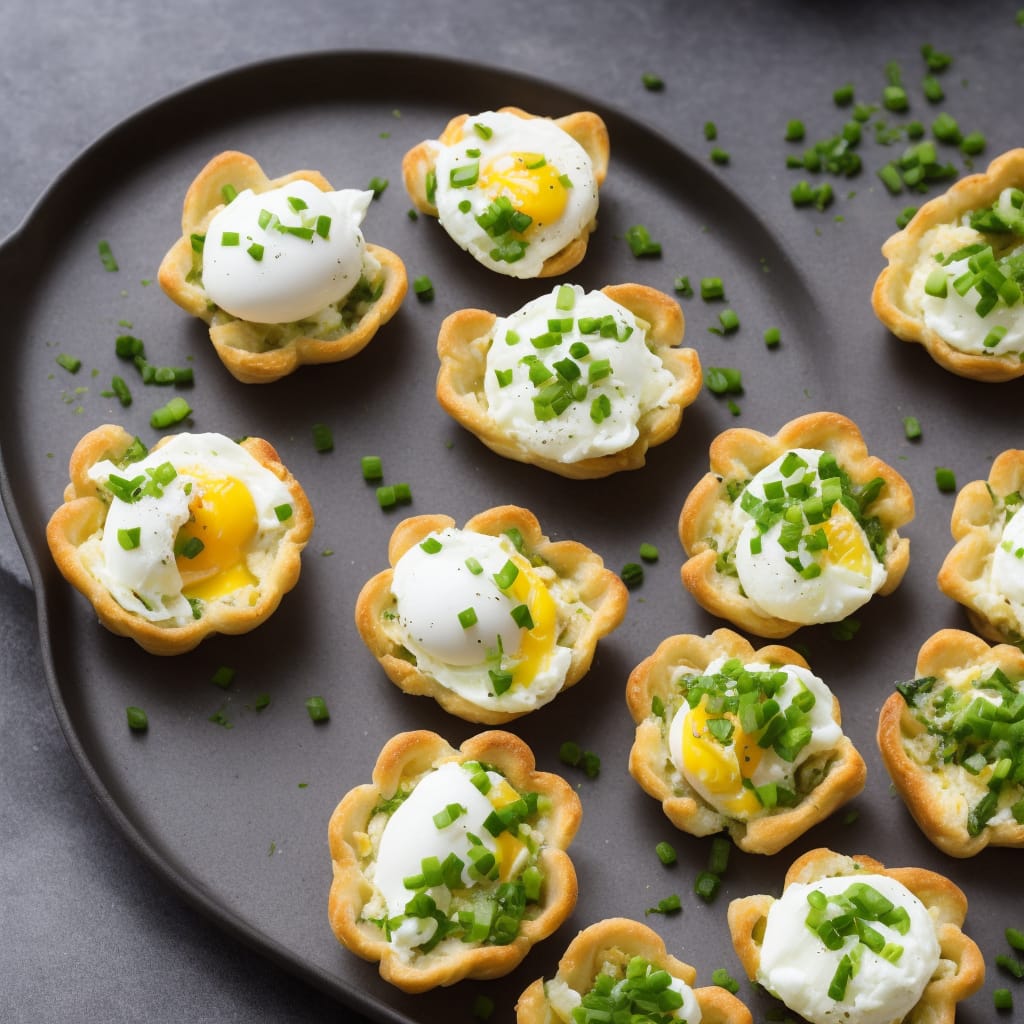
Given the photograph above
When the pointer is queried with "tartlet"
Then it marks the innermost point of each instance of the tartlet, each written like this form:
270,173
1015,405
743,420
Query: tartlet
939,231
984,570
827,772
957,783
269,554
583,128
614,949
570,598
256,352
492,923
857,498
931,904
464,347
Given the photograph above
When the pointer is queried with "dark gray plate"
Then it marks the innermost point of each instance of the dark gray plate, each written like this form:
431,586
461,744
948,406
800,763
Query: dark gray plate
236,817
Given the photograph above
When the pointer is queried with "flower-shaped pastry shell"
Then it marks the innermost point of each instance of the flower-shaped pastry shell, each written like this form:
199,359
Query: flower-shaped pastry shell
961,966
938,807
584,126
905,249
844,770
617,940
467,334
598,588
977,525
241,345
739,454
404,759
84,512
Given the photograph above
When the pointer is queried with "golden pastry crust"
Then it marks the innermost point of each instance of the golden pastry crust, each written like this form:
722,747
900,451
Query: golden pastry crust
905,249
961,969
977,526
249,350
597,588
616,941
584,126
466,336
839,773
736,456
931,792
404,759
85,510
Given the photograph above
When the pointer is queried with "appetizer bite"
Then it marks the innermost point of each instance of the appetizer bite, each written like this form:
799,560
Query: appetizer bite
452,864
794,529
951,738
955,273
618,969
732,738
199,535
492,620
579,383
517,191
984,571
279,269
854,942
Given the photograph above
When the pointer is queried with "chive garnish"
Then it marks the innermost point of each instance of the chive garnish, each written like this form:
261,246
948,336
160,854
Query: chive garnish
632,574
1002,998
719,155
521,617
138,721
323,226
283,512
106,255
223,677
386,496
666,853
911,428
317,709
431,545
710,131
945,479
423,287
648,552
652,83
70,363
772,337
377,186
228,193
256,251
723,979
467,617
711,288
323,439
640,242
229,238
669,905
173,412
129,538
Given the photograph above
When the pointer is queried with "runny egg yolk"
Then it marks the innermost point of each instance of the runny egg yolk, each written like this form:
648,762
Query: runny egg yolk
534,190
507,847
223,517
536,644
847,545
721,769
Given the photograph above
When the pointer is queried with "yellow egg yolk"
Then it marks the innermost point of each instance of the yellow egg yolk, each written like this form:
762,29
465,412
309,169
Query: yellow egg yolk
721,769
847,545
536,644
508,848
223,518
534,190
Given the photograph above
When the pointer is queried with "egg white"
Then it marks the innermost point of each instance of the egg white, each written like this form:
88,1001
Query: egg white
825,734
638,382
296,278
797,967
431,590
773,586
145,580
511,134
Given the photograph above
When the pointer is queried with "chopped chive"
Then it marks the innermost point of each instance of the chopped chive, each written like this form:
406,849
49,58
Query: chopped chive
905,216
474,566
189,547
932,89
70,363
711,288
323,226
707,883
229,238
424,288
1015,938
403,493
467,617
652,83
1002,998
129,538
772,337
570,753
106,255
372,467
794,131
173,412
323,439
669,905
507,576
972,143
229,193
566,299
632,574
464,175
256,251
640,242
386,496
846,629
504,377
138,721
431,545
710,131
843,96
265,218
894,97
723,380
945,129
120,389
890,177
297,203
377,185
937,284
729,321
483,130
317,709
223,677
683,287
666,853
723,979
198,241
719,155
521,616
911,428
648,553
283,512
1011,965
945,479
